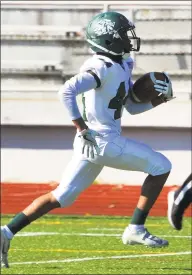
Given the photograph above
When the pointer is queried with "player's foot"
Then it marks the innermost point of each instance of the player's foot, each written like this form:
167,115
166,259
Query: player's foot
142,237
5,244
175,212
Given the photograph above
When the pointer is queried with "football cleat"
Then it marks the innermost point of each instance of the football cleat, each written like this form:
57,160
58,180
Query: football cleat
142,237
175,212
5,244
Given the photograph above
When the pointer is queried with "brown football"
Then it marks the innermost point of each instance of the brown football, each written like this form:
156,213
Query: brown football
143,89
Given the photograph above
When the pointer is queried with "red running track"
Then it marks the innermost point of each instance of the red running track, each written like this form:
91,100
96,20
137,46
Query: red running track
98,199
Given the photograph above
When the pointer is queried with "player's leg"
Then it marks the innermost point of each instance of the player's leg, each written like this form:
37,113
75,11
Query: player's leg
37,208
158,167
128,154
178,202
78,175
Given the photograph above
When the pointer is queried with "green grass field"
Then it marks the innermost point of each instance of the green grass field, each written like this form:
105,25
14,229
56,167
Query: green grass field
92,245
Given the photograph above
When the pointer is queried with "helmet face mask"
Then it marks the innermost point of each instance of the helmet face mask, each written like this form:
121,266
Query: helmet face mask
126,35
113,33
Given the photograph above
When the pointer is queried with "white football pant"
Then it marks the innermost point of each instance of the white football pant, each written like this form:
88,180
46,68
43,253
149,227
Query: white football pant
115,151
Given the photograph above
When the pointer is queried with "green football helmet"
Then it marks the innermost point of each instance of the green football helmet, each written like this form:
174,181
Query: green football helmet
108,32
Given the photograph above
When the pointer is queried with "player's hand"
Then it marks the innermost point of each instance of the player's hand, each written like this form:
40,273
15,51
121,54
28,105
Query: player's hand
165,88
89,143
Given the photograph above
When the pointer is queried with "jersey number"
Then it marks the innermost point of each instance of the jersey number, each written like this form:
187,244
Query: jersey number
118,101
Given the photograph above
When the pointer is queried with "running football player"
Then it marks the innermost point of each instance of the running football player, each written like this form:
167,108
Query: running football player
104,81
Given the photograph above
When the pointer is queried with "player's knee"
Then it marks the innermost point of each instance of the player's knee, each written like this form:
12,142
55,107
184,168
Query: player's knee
65,197
66,202
161,165
168,165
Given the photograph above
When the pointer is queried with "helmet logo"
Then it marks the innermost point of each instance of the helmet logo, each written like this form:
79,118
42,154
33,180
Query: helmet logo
104,26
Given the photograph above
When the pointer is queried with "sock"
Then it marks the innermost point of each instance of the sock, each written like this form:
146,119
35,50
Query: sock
139,217
7,232
152,187
136,227
18,223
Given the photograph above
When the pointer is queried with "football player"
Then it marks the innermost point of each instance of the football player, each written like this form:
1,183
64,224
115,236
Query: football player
104,81
178,201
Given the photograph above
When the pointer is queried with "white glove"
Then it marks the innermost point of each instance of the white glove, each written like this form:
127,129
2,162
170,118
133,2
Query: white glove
89,143
165,88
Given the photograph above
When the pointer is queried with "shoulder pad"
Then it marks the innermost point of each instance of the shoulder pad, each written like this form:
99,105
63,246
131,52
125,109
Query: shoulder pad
108,64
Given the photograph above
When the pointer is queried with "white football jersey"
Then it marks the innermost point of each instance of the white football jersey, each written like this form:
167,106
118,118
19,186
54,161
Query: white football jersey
103,106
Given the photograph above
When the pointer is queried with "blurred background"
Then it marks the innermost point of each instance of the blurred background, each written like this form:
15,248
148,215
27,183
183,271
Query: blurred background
43,45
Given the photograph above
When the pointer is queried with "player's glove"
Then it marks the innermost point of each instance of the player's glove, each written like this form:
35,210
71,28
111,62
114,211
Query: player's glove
164,88
89,143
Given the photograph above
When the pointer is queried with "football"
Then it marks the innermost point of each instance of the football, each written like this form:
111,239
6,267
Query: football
143,90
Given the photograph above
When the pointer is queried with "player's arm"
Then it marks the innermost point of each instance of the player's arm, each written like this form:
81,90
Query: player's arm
92,75
78,84
135,108
131,106
89,78
165,94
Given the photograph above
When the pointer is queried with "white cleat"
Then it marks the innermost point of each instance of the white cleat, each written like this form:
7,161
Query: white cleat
5,244
142,237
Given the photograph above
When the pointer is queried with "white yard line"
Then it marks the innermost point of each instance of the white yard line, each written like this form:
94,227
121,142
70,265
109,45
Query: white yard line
106,229
103,258
33,234
175,236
